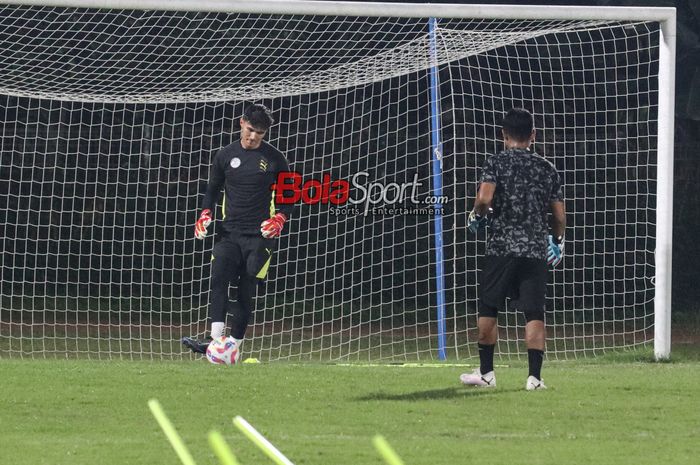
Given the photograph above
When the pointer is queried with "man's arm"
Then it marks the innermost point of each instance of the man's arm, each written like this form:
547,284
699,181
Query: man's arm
484,197
478,218
273,226
284,208
217,177
557,222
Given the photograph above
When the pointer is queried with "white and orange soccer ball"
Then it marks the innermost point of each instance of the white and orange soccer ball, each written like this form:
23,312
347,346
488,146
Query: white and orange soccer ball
223,351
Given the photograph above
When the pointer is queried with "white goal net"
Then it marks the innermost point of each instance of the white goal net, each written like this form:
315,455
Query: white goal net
111,119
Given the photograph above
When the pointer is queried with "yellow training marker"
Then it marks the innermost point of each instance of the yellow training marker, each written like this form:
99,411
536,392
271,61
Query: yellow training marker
221,449
171,433
260,441
386,451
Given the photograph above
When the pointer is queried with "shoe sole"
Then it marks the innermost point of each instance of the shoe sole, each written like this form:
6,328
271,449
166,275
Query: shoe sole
192,345
478,385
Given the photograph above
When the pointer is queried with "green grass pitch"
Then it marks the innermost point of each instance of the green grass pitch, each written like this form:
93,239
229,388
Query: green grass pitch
603,412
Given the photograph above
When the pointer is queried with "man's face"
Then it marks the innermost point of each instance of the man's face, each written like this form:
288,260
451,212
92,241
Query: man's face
251,137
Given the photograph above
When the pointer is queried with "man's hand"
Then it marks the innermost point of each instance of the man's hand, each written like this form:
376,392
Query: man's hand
273,227
555,250
476,222
200,227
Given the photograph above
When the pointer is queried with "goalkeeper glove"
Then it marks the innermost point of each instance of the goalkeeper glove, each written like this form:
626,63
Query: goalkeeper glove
555,250
476,222
273,227
200,227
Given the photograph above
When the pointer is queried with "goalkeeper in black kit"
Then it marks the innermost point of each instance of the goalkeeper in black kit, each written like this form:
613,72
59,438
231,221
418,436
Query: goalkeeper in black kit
518,191
251,222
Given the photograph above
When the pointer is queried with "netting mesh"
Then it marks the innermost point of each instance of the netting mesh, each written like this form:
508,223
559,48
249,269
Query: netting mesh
113,117
175,57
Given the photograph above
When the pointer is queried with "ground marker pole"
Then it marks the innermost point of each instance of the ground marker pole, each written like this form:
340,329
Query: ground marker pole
260,441
221,449
170,433
386,451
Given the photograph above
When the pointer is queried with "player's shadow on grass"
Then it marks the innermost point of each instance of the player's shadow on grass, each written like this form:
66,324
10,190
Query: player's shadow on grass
433,394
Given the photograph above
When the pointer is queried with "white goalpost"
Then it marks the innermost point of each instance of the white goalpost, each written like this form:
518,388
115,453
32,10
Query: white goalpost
114,109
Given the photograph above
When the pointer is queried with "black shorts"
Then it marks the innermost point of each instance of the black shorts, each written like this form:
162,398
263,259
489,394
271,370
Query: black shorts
239,253
521,279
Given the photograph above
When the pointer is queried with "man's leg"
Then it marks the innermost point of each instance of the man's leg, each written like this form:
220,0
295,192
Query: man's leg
488,335
226,259
257,255
533,288
534,341
244,307
494,285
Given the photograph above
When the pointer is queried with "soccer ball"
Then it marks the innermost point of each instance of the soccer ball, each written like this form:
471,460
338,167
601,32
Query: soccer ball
223,351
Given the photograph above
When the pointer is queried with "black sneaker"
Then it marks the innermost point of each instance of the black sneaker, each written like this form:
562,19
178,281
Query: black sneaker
198,347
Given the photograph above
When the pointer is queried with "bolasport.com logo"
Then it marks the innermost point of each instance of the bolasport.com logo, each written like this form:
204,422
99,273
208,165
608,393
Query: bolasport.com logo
358,196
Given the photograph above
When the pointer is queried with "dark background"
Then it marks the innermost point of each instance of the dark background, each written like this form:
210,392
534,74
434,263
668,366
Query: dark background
686,214
78,180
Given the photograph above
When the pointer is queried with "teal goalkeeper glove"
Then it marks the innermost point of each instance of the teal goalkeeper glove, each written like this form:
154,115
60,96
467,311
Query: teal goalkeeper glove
476,222
555,250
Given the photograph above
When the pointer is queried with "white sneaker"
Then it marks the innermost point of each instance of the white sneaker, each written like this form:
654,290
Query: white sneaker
534,384
475,378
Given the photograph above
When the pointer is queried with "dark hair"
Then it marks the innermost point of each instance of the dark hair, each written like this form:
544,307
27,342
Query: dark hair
518,124
259,116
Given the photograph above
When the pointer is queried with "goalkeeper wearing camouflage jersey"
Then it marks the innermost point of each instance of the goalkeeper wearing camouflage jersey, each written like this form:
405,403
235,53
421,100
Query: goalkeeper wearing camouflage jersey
246,170
517,191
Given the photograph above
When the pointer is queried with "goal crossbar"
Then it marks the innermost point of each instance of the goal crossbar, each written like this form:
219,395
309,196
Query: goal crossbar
402,10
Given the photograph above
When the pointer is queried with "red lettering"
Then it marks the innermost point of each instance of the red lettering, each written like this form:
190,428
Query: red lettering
325,189
316,186
342,192
290,189
282,185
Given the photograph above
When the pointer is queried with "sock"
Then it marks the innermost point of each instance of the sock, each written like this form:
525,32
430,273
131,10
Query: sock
217,329
534,358
486,357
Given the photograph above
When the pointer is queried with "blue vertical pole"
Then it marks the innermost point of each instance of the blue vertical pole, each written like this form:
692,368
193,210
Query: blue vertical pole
436,145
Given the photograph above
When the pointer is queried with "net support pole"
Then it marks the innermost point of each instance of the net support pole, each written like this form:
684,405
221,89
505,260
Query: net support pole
664,195
436,147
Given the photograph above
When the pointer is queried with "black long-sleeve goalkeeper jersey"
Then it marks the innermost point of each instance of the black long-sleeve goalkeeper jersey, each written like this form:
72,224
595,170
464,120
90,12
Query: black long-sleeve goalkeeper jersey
246,177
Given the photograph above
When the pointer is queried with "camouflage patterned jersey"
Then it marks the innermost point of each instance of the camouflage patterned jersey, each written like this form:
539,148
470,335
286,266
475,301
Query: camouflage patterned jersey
526,183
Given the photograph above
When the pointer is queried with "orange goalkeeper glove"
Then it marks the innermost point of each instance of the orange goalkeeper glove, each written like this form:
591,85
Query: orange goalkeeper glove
273,227
200,227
